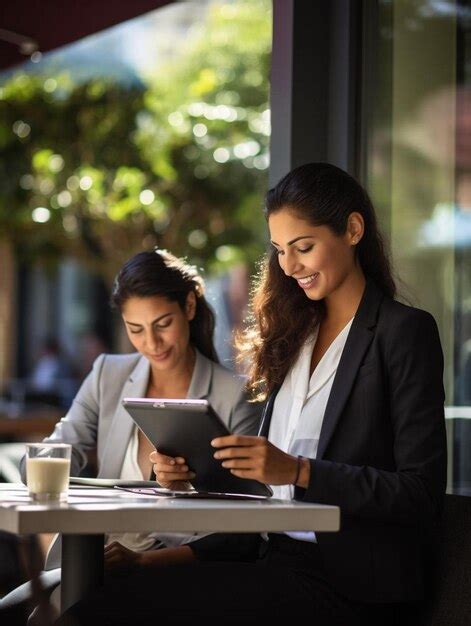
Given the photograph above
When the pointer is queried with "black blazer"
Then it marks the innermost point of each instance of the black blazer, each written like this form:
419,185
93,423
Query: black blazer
381,456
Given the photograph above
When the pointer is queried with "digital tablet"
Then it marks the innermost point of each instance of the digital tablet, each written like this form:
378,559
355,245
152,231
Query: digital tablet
186,428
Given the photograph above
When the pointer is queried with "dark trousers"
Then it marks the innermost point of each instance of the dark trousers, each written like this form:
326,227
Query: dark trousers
286,580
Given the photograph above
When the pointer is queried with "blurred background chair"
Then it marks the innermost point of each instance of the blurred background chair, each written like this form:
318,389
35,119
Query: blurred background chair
10,456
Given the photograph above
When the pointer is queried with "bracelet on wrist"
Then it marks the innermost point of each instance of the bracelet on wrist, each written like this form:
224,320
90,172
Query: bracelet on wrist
298,470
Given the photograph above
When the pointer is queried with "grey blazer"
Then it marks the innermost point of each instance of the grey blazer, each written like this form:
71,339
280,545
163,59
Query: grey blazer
97,419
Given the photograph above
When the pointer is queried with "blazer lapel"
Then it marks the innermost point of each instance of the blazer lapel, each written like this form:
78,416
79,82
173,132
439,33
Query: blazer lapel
358,340
122,425
201,379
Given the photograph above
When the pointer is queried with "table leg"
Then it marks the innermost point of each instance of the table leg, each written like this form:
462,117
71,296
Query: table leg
82,567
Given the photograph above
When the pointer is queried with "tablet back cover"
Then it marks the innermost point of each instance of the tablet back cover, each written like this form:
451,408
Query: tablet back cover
187,431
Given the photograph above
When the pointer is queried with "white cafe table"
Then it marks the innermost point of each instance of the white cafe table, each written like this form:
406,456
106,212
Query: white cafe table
90,513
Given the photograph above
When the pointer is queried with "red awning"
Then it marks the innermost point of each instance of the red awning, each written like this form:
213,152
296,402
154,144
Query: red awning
49,24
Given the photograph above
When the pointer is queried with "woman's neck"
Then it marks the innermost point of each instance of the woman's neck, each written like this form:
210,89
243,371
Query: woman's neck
343,303
175,382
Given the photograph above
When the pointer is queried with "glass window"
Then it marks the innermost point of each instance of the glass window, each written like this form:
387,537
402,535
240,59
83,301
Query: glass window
417,156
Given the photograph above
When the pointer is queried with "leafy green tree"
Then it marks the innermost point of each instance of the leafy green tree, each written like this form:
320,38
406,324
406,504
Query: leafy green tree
98,171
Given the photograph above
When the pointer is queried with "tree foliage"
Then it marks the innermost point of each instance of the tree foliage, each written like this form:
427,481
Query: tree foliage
99,170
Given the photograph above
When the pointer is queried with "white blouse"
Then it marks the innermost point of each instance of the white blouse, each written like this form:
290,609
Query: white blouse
131,471
139,542
300,405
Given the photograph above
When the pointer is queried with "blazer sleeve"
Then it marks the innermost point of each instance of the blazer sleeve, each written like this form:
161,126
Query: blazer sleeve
413,493
80,425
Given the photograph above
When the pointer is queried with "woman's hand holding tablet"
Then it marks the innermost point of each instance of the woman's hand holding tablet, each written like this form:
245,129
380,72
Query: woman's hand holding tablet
171,472
257,459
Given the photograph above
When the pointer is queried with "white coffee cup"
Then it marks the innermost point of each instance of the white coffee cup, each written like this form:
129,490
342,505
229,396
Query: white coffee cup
48,471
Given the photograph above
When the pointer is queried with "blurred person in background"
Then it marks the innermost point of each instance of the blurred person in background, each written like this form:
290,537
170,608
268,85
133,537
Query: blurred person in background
52,379
91,345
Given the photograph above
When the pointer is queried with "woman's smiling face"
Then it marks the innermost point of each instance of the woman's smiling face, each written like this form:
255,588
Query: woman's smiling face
318,259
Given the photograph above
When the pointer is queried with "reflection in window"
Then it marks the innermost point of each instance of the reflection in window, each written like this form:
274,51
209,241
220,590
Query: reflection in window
418,156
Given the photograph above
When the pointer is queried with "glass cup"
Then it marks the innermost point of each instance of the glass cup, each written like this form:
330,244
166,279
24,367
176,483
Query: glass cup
48,471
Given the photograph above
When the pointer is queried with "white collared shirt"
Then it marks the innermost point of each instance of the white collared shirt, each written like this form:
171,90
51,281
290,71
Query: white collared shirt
300,405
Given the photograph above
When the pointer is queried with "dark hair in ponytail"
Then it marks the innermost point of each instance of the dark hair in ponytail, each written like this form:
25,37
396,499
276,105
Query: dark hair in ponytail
160,273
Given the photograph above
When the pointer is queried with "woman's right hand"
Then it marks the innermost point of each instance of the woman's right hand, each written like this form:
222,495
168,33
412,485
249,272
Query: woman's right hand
171,472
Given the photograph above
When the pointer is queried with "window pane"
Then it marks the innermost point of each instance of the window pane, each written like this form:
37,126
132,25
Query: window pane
418,169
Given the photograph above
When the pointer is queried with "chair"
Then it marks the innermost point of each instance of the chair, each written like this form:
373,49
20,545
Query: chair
10,457
449,600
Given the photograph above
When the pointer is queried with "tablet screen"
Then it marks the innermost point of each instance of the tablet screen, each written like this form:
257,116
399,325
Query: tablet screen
186,428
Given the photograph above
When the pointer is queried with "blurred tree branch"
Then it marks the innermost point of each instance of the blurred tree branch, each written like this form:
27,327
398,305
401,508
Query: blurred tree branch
98,171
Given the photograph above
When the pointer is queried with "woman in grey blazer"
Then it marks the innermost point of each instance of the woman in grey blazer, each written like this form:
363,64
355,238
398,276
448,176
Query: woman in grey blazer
168,321
97,419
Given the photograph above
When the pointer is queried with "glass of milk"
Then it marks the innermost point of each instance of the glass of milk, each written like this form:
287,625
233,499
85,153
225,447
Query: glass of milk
48,471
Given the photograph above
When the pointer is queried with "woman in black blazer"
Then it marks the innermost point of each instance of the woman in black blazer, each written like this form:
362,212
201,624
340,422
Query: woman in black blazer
380,451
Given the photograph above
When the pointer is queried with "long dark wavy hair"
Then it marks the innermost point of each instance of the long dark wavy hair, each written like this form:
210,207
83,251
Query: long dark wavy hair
160,273
282,315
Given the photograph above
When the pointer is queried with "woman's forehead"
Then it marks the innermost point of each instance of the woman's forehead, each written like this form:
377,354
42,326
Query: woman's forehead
285,225
137,304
